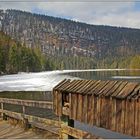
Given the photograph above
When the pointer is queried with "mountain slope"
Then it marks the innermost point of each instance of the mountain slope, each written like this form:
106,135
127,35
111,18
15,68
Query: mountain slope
60,37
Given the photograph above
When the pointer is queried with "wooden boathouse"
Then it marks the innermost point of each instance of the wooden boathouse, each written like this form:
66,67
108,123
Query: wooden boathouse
114,105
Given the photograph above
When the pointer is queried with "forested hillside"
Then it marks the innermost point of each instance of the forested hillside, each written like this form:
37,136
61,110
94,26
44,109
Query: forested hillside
64,37
15,58
56,43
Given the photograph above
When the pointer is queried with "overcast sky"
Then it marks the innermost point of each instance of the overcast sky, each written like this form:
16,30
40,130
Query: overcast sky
123,13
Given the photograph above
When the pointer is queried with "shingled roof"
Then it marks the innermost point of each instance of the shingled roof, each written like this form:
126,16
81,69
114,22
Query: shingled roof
117,89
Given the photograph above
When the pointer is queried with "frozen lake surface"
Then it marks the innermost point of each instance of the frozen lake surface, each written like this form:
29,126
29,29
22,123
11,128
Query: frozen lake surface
45,81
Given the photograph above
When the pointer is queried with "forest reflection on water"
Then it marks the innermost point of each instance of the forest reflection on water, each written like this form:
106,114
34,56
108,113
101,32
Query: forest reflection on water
28,95
125,75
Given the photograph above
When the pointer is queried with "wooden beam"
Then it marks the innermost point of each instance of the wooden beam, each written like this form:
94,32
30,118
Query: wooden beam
19,116
76,133
30,103
2,109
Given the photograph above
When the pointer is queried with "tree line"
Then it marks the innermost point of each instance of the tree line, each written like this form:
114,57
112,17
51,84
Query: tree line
15,58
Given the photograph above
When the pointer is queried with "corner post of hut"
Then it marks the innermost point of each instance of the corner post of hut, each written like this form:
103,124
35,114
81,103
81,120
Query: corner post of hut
61,107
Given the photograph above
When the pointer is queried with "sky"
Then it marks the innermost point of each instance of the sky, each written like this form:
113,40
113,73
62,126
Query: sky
121,13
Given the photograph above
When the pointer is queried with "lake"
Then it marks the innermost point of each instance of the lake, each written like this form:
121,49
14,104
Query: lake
38,86
45,81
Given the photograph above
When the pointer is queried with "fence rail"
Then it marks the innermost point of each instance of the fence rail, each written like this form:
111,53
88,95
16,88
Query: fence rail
29,103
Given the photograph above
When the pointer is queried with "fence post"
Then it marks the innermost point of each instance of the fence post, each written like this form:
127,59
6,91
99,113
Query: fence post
23,109
26,124
1,110
67,122
3,116
71,124
64,120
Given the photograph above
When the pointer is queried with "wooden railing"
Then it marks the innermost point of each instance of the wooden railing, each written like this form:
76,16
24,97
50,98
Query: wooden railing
29,103
57,127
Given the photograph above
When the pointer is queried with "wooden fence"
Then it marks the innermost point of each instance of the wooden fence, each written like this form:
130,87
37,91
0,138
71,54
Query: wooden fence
57,127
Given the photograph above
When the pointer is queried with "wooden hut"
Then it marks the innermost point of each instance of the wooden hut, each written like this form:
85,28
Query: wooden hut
113,105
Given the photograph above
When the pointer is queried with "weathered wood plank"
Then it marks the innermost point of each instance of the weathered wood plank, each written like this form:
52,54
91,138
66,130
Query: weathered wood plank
106,111
59,103
133,117
130,118
123,108
89,86
98,119
107,88
128,128
113,120
95,110
53,129
7,131
30,118
129,88
30,103
77,86
136,123
119,89
70,105
138,131
101,87
74,106
63,87
61,84
85,102
109,110
113,89
98,86
74,132
95,84
79,108
84,86
89,109
55,101
72,85
103,113
2,108
92,111
137,118
135,93
118,115
126,116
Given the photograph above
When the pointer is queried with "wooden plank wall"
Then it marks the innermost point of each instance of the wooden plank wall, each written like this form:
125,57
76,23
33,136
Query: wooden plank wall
118,115
115,114
113,105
